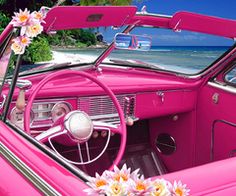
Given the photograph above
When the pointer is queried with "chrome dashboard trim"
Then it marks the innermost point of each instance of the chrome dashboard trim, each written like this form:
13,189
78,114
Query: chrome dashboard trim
27,172
101,107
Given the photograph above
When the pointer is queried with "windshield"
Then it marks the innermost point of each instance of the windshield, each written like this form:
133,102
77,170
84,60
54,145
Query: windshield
182,52
65,48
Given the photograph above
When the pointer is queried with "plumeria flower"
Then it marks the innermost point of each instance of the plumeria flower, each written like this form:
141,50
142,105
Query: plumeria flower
34,30
180,189
97,184
140,186
161,188
116,188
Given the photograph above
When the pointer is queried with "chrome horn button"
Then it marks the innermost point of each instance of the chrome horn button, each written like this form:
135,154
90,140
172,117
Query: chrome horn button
79,125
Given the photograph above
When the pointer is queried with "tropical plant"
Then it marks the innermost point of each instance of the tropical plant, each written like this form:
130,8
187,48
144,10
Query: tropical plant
39,50
4,20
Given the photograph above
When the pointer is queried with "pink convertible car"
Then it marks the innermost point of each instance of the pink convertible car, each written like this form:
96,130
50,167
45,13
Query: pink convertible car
160,98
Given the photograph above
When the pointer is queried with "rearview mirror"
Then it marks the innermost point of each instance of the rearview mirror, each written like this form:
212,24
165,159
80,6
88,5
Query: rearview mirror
132,42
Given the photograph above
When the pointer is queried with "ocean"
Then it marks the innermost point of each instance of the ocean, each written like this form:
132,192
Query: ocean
186,59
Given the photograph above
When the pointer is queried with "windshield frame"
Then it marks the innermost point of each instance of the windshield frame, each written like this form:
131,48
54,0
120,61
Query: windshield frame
136,23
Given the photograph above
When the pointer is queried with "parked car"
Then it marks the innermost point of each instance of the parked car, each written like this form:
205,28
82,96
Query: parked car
141,101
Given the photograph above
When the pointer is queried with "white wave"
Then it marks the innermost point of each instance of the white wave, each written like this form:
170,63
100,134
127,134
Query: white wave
161,50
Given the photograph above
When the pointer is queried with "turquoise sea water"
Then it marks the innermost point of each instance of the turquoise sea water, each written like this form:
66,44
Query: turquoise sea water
187,59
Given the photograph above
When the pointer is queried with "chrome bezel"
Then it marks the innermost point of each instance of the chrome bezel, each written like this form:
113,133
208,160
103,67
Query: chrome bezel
31,120
62,102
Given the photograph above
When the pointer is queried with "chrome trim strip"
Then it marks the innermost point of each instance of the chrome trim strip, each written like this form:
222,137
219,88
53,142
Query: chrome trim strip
3,102
37,181
101,107
227,88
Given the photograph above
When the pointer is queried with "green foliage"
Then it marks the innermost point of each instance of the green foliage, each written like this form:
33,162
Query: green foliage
39,50
2,2
4,20
75,38
87,37
80,45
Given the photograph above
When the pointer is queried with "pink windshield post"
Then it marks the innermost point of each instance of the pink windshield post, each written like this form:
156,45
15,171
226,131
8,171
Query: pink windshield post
204,24
154,21
5,33
75,17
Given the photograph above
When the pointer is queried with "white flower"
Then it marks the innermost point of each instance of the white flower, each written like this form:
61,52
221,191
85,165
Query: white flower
18,48
122,182
34,30
120,175
180,189
24,40
97,184
38,16
140,186
22,18
161,188
19,44
116,188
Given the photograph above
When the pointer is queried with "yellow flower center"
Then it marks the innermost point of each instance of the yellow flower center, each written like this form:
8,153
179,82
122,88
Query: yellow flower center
124,177
24,40
100,183
118,177
35,28
158,189
38,15
179,192
16,46
23,18
140,186
116,189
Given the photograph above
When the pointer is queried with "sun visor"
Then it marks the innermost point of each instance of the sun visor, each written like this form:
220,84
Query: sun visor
74,17
203,24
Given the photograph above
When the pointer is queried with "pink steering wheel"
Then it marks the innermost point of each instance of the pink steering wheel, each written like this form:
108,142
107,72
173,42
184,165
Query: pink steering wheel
63,129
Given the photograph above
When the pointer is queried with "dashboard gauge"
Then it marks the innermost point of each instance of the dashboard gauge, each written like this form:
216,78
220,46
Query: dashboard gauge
60,109
17,117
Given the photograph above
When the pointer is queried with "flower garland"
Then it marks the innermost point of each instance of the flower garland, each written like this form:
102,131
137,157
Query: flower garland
122,182
30,24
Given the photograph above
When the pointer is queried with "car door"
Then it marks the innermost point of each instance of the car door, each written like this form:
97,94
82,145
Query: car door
216,119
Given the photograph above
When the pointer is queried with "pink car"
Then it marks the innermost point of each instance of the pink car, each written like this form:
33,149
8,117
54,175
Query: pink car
155,95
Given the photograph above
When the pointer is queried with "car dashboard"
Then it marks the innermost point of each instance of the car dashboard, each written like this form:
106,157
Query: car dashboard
142,94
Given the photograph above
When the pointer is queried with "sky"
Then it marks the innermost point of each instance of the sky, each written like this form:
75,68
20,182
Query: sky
218,8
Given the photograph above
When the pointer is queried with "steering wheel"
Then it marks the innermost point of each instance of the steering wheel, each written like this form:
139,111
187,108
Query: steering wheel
77,124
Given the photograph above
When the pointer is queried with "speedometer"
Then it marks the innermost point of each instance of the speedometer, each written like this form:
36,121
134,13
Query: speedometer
60,109
17,117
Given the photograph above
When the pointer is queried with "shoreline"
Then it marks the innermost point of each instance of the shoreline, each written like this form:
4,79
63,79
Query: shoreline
70,47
